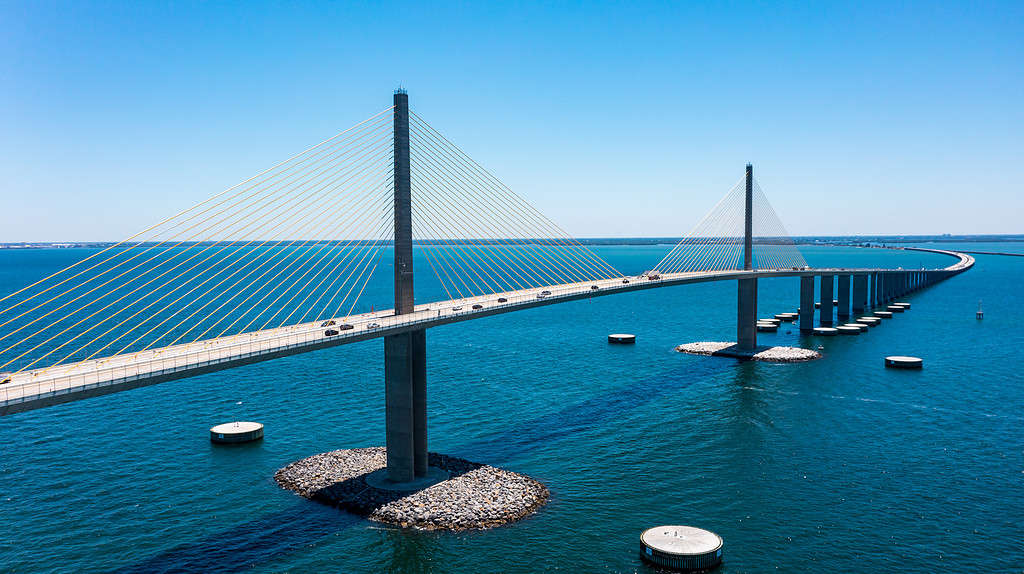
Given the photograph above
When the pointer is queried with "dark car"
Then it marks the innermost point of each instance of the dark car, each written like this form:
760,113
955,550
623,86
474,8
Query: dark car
502,300
625,281
594,287
345,327
478,306
330,332
654,276
328,323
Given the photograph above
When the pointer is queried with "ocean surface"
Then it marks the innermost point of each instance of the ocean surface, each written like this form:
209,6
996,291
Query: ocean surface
837,465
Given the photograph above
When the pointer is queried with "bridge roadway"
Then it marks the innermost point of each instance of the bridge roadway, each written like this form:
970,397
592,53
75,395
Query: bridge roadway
42,387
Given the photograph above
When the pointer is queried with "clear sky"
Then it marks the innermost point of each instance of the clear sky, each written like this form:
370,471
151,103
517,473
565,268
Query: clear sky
614,119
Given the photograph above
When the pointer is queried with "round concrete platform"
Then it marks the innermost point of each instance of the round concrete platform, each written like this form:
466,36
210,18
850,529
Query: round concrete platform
682,547
788,317
767,327
862,327
883,314
826,331
904,305
622,338
769,320
379,479
895,308
870,321
903,362
236,432
848,330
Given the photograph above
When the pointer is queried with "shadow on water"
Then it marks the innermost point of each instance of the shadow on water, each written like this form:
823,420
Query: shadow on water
246,545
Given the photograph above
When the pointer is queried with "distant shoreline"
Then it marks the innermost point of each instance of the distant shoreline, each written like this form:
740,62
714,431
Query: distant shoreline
858,240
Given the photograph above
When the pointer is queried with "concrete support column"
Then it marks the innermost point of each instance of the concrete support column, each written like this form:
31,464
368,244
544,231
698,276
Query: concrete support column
806,304
398,406
872,291
405,403
843,310
860,293
827,309
418,344
746,314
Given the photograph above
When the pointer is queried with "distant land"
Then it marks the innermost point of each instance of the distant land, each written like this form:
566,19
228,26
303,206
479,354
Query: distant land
863,240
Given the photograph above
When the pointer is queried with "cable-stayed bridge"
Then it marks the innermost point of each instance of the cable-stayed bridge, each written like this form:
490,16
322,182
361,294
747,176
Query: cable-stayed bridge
280,264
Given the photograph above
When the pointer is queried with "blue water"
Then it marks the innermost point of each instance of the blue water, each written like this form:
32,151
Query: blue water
837,465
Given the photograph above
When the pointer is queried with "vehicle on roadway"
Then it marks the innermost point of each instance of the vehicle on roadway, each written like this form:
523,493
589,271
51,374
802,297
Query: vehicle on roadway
624,281
373,326
459,308
330,332
345,327
328,323
478,306
543,294
502,300
594,287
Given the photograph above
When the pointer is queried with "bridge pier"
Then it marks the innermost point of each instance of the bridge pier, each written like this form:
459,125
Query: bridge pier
807,304
827,309
405,400
746,314
860,293
843,309
874,293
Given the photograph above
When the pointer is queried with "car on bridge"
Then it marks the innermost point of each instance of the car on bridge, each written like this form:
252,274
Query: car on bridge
543,294
459,308
624,281
478,306
594,287
502,300
345,327
373,326
328,323
330,332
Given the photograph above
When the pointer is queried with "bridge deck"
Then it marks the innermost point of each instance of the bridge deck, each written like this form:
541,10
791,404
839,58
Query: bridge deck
63,383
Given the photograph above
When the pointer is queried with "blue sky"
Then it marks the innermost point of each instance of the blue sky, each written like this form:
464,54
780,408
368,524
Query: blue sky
614,119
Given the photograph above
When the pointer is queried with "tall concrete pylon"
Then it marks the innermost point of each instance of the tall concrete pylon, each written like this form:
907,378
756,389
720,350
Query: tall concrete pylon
405,355
746,300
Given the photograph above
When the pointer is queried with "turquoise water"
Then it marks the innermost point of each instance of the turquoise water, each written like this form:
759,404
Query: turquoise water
835,465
